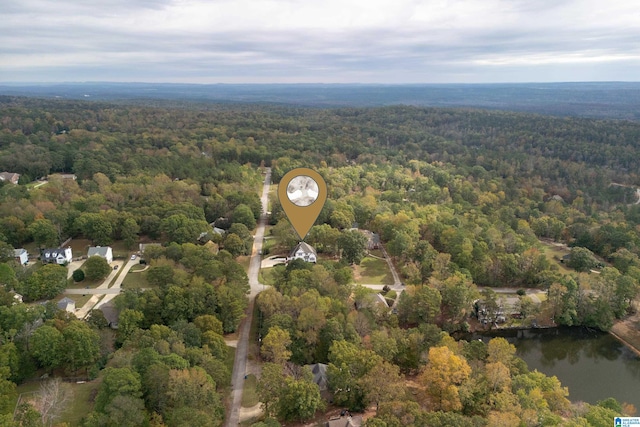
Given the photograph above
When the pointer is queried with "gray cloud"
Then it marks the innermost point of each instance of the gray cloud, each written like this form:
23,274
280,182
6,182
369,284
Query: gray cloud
283,40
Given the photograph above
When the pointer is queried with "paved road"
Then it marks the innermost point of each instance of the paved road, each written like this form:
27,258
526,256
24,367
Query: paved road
240,362
118,283
91,291
102,290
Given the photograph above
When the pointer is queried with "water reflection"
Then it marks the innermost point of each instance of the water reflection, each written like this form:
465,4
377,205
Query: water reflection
592,364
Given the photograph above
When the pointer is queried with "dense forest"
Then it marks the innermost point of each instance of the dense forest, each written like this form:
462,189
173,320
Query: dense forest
463,201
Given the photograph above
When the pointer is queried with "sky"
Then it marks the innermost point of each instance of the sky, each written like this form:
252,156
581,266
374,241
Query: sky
319,41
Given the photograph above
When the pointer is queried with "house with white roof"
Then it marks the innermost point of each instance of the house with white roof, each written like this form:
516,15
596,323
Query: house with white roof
21,255
102,251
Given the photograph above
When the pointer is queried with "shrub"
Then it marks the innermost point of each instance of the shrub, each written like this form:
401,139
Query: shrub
78,275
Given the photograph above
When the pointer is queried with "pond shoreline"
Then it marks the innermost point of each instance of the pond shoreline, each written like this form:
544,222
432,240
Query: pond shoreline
625,342
620,331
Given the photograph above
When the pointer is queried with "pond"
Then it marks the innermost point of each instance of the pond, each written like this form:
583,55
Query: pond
593,365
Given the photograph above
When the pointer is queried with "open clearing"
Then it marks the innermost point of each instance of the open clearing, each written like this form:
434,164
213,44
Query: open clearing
373,271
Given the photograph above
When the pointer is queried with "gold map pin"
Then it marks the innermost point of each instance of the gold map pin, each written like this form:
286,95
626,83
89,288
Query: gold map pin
302,193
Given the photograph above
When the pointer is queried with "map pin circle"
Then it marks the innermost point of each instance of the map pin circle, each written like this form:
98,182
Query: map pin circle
302,193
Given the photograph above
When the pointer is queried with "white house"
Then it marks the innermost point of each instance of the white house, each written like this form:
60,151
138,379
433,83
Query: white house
21,255
57,256
304,252
102,251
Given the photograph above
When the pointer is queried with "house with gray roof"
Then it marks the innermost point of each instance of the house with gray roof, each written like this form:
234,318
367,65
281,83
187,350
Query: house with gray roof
67,304
102,251
56,256
9,177
303,251
348,421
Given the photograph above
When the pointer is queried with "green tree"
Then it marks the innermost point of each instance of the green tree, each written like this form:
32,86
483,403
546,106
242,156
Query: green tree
208,322
347,365
285,235
128,321
242,214
353,246
181,229
129,232
419,304
95,227
78,275
458,293
234,244
216,344
44,233
97,320
8,277
10,361
7,393
126,411
299,399
96,268
275,345
117,382
47,282
581,259
324,238
27,416
270,387
81,345
230,307
194,388
46,346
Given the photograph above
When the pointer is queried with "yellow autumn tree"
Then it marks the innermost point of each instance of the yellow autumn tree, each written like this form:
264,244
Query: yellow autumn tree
441,378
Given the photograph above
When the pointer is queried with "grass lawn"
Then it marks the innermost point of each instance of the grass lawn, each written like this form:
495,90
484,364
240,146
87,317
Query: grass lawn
249,394
254,349
136,280
554,254
267,245
267,275
120,250
231,356
86,282
81,404
542,296
80,247
25,388
373,271
244,261
32,248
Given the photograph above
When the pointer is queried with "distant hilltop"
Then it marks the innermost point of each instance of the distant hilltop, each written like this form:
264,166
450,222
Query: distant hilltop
608,100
